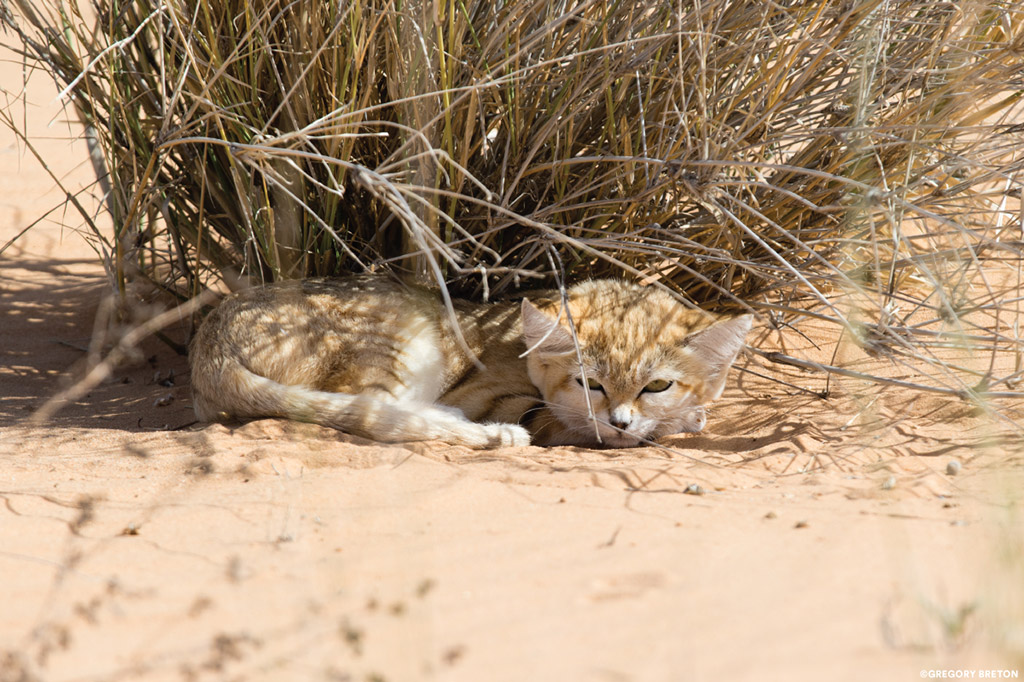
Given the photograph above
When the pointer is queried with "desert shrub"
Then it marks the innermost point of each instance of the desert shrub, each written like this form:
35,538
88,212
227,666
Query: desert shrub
853,162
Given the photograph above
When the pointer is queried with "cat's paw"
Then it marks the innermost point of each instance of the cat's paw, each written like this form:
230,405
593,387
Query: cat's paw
506,435
700,419
693,420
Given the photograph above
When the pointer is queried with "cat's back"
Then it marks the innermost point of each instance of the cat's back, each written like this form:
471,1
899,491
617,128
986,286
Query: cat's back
319,306
344,334
313,309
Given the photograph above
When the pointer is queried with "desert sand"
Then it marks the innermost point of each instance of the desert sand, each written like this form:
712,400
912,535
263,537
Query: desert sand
876,534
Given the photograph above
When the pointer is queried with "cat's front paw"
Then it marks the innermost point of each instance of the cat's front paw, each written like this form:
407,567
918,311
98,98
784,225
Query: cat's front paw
694,420
507,435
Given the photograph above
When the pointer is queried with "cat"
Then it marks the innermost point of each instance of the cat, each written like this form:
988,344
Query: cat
384,360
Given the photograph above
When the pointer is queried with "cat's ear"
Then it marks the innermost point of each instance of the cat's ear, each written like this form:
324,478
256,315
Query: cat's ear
543,334
717,347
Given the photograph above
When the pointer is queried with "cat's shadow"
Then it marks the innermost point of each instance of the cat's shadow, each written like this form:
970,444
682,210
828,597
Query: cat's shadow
794,432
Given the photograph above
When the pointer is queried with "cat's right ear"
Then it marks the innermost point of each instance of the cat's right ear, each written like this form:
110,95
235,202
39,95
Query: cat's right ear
543,334
717,347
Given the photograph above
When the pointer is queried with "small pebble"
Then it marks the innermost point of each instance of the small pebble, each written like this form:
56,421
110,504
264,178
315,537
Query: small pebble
694,489
953,467
800,524
889,484
770,515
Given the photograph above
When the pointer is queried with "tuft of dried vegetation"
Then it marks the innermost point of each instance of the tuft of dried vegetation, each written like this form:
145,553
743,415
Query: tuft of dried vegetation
854,163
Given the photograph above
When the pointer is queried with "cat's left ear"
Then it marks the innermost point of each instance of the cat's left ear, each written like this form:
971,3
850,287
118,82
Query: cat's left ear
717,347
543,334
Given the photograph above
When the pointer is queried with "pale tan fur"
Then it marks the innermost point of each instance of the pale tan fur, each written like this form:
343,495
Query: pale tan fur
373,357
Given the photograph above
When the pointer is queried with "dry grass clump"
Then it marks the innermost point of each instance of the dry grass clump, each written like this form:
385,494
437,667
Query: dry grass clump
857,162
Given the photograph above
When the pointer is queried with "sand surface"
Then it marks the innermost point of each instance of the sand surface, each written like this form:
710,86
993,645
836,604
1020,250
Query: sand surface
829,539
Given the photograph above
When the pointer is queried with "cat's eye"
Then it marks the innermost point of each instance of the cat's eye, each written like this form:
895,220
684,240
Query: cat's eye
657,386
592,384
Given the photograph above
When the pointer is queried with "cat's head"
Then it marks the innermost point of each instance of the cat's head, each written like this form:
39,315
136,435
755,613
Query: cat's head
647,364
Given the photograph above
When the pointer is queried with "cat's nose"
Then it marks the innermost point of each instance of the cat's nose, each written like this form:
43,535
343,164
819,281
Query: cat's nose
621,417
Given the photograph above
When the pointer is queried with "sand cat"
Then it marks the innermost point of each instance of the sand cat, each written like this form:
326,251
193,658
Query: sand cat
379,359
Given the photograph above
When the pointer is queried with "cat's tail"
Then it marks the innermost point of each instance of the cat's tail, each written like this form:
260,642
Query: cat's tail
235,392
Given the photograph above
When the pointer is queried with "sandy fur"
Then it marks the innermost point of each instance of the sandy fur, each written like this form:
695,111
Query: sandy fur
379,359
